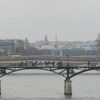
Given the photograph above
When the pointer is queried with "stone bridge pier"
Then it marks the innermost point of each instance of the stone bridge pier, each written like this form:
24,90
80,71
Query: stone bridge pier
68,87
0,87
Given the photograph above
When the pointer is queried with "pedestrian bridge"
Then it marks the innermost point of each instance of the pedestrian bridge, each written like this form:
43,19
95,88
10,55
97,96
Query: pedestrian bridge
68,67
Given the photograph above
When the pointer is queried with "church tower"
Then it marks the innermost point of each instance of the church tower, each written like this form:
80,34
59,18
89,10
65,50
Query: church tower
46,40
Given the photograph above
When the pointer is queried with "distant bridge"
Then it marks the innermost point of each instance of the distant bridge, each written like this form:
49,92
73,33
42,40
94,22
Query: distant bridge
67,67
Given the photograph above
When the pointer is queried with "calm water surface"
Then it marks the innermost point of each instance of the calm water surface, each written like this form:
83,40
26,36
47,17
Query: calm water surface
39,86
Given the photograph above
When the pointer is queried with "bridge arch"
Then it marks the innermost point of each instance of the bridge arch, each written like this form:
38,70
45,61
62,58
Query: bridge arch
12,71
80,72
63,72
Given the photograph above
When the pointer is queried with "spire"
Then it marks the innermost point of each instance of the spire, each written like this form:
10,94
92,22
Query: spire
56,38
26,44
46,39
56,41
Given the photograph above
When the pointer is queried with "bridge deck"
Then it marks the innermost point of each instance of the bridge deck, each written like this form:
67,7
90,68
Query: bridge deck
7,59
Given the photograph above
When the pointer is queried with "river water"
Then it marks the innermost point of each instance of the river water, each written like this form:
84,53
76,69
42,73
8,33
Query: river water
46,86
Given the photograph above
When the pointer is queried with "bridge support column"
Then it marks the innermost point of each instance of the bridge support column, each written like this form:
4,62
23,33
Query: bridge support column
0,87
68,87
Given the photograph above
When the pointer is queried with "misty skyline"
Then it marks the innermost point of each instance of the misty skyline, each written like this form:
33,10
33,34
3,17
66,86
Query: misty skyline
70,20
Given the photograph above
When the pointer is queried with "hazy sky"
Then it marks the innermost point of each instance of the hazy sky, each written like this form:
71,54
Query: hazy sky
68,19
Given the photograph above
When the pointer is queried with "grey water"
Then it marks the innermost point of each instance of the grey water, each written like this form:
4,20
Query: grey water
47,86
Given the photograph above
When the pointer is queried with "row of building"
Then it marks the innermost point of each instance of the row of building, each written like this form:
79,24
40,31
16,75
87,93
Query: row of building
18,46
46,44
13,46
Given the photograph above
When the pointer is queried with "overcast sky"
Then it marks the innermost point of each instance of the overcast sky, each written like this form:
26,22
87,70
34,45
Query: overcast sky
68,19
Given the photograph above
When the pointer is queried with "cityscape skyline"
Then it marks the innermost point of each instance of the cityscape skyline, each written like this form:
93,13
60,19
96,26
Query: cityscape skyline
46,47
